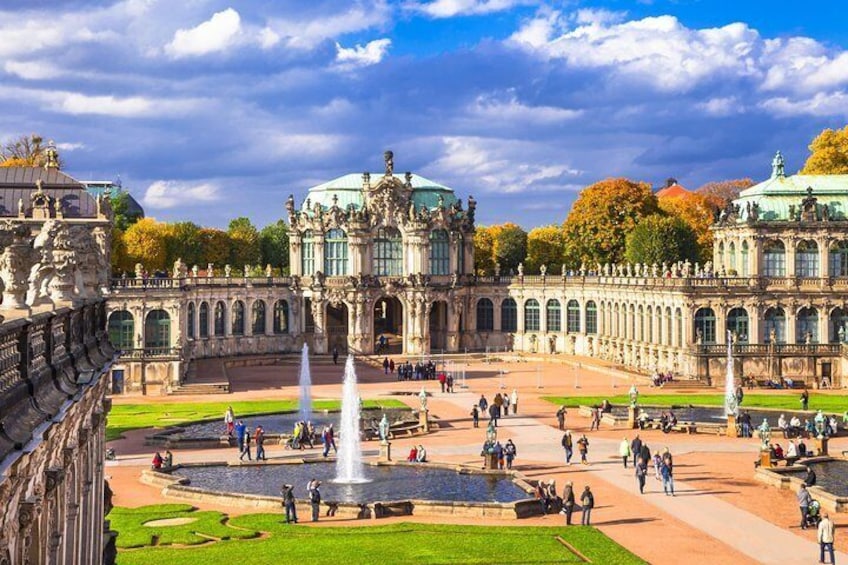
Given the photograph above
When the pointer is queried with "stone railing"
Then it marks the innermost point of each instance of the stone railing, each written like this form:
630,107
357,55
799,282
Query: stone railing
778,349
152,353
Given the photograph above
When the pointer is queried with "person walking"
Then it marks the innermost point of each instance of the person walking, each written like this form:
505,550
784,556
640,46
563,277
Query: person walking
636,448
583,448
666,471
596,419
240,428
385,365
475,416
288,503
245,445
510,452
568,502
568,445
826,534
624,451
335,355
315,498
560,415
514,401
259,437
493,413
587,499
804,500
229,420
805,400
483,404
641,473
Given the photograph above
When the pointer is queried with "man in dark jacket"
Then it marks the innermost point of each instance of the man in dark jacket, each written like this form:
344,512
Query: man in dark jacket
315,498
587,499
288,503
568,502
804,500
636,448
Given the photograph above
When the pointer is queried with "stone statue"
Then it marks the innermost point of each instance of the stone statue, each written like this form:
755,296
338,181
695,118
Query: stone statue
268,271
246,271
389,158
179,269
21,207
15,263
820,424
654,270
491,433
472,206
778,165
422,398
634,396
764,431
139,271
384,429
497,269
228,271
521,269
210,270
543,270
194,271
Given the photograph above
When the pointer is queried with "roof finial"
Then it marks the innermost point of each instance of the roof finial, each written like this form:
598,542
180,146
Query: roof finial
390,163
777,166
52,154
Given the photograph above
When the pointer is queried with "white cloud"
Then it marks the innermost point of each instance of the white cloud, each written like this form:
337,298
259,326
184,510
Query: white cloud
214,35
722,106
512,110
32,70
70,146
362,55
451,8
822,104
307,32
170,193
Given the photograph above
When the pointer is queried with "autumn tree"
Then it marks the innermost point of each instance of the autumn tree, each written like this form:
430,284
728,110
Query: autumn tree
658,239
484,251
509,246
183,242
274,246
146,243
693,209
244,242
121,262
215,247
601,218
828,153
719,193
545,246
24,151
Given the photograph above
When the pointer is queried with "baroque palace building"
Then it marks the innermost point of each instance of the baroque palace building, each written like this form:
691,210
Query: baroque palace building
54,361
382,254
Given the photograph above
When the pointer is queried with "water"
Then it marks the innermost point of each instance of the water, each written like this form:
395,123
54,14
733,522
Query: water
349,467
385,483
730,405
831,476
305,385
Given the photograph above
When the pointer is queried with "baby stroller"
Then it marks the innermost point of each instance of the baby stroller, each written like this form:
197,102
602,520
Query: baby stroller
813,516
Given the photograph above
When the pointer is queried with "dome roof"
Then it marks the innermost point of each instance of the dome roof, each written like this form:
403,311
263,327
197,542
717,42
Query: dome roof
348,190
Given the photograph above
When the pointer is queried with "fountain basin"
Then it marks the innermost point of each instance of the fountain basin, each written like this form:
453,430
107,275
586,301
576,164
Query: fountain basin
831,488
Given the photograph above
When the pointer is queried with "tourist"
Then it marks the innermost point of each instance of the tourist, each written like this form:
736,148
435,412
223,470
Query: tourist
385,364
475,416
805,399
541,494
554,501
636,448
641,474
442,380
505,405
331,433
510,452
804,500
740,394
392,368
568,502
624,451
596,419
168,460
587,499
514,401
792,450
802,448
583,448
296,433
794,426
657,460
259,437
229,419
157,461
643,419
783,426
498,401
810,479
315,498
606,407
746,424
287,493
667,472
449,383
777,452
307,432
335,355
826,535
493,413
568,445
245,445
240,428
413,455
421,456
809,428
499,454
483,404
834,426
560,415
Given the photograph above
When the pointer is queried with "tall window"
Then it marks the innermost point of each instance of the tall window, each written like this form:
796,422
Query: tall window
258,313
722,261
774,259
219,319
679,318
572,316
307,253
121,329
281,317
807,259
649,315
238,317
737,322
705,325
509,315
774,325
335,253
203,319
460,258
531,315
839,259
485,315
388,252
839,326
641,316
731,258
744,259
591,317
157,330
190,320
554,316
807,325
439,253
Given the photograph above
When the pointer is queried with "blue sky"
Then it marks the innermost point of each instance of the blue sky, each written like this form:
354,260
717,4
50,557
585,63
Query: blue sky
210,109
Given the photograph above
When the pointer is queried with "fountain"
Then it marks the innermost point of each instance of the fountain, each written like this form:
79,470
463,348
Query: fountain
305,385
349,468
731,406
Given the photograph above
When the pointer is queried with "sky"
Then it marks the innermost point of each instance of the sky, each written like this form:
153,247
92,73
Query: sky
211,109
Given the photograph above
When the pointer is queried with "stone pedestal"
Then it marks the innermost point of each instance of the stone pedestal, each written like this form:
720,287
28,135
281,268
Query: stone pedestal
423,420
731,426
385,451
632,412
765,458
491,461
821,446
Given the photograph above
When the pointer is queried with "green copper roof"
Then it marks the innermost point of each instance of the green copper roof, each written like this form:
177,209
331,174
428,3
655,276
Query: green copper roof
348,190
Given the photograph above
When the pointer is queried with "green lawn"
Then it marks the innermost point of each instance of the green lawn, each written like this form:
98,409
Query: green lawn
828,403
392,543
125,417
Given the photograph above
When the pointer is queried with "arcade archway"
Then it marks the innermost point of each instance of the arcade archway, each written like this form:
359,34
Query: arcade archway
438,326
388,324
337,325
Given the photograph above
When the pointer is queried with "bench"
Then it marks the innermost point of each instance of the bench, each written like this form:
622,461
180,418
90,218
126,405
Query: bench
688,427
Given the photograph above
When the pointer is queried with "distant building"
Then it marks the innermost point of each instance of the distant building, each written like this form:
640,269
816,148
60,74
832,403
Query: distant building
672,190
113,188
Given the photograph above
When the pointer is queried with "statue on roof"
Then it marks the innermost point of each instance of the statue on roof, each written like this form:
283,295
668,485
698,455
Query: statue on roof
389,157
778,165
52,156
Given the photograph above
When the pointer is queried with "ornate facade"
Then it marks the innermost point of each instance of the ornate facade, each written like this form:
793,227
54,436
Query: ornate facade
388,255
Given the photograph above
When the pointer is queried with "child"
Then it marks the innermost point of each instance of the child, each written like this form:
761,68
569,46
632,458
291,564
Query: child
475,415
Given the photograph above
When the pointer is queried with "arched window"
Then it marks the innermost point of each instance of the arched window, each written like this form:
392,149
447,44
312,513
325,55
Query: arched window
203,319
658,312
737,322
649,318
807,259
439,253
509,315
774,325
307,254
121,330
485,315
744,260
668,329
572,316
388,253
839,259
531,315
678,314
258,313
190,320
721,258
460,259
807,326
839,326
157,330
591,317
281,317
705,325
335,253
554,316
774,259
238,318
640,314
219,319
731,259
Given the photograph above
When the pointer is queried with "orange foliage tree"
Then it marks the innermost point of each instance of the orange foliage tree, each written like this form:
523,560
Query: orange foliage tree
828,153
696,212
147,243
545,246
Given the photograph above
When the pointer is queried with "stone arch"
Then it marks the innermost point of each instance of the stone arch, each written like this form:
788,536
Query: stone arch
281,317
257,317
238,318
121,329
203,319
157,330
485,312
807,325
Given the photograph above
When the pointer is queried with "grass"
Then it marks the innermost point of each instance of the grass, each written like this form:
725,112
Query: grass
126,417
392,543
205,525
828,403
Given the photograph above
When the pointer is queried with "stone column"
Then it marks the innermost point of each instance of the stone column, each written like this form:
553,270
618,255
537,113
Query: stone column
721,324
269,316
789,245
791,321
824,258
318,315
248,317
357,249
496,315
295,253
319,252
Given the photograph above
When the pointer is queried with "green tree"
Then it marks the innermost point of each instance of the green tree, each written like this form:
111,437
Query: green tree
601,218
124,215
695,210
274,246
215,247
828,153
510,246
658,239
183,242
545,246
244,243
484,251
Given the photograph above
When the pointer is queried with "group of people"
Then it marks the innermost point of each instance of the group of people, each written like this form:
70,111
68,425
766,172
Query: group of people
667,421
409,372
289,502
568,443
663,464
547,494
819,425
659,379
245,438
497,409
417,454
160,462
